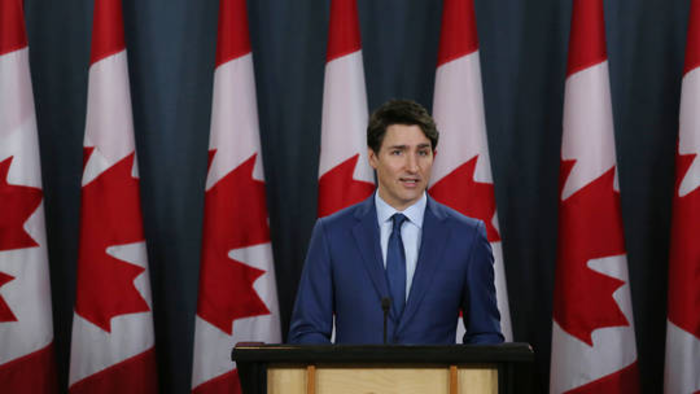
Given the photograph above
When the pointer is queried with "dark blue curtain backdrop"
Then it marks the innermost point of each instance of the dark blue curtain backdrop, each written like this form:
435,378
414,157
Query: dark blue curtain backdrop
171,47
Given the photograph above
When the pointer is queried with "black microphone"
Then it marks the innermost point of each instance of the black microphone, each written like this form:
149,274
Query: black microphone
386,305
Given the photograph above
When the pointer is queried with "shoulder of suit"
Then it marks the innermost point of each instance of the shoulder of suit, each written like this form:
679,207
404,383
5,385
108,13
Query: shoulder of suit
350,213
455,217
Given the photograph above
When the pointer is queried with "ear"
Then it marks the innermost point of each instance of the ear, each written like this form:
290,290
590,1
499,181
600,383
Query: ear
435,151
373,159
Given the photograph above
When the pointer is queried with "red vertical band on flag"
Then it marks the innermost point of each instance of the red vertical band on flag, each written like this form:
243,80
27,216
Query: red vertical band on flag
683,324
344,29
135,375
458,36
625,380
587,37
235,216
107,30
228,383
339,190
692,46
684,264
233,35
111,215
18,204
459,190
590,227
12,32
33,373
6,314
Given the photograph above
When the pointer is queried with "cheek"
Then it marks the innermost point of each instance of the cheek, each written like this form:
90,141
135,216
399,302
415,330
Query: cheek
391,167
385,172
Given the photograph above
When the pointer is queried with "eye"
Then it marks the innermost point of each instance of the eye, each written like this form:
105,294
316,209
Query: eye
395,152
424,152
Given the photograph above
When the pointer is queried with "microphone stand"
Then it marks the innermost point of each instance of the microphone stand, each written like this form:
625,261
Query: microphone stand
386,305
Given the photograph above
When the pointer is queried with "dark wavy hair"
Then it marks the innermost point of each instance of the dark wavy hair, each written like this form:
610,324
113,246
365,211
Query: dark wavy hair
404,112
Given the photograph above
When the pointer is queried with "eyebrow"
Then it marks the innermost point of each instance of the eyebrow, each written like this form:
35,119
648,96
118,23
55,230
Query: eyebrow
404,147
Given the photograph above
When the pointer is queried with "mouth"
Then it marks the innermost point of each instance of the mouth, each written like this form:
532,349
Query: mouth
409,182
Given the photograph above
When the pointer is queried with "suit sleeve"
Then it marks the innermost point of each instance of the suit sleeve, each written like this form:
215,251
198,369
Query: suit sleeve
312,318
480,309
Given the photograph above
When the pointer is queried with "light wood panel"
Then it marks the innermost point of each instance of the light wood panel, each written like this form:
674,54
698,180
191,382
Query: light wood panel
482,379
382,380
332,379
287,379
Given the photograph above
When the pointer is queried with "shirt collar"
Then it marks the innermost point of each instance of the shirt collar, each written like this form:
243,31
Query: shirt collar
414,213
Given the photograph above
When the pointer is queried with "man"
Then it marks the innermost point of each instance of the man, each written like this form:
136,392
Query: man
421,259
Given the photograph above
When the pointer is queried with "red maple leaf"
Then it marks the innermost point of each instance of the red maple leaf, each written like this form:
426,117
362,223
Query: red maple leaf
684,262
87,152
110,215
461,192
235,216
625,380
590,227
228,382
337,189
17,203
5,311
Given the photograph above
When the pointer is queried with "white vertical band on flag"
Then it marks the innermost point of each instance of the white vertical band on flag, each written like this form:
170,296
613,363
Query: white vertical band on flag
109,130
109,123
18,129
16,99
588,136
234,119
689,129
458,110
28,295
682,361
344,119
94,349
213,346
235,137
501,289
683,347
575,363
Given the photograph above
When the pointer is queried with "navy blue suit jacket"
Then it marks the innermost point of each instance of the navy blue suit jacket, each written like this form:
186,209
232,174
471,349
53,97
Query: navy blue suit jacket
344,275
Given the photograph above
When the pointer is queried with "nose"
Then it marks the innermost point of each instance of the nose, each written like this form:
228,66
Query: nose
412,164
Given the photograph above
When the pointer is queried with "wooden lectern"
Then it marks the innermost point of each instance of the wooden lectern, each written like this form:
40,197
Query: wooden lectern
376,369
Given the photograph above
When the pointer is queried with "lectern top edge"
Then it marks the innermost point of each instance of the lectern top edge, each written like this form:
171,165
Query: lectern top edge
507,352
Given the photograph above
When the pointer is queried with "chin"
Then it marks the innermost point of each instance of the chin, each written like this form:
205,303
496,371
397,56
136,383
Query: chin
409,200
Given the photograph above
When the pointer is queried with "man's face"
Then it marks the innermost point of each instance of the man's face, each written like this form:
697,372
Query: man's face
403,165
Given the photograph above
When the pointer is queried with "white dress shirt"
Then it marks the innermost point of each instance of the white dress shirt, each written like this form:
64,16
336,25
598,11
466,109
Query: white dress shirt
411,232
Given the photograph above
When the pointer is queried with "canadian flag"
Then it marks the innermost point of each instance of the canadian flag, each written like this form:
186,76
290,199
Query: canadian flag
593,342
682,374
345,176
26,331
462,170
237,287
112,348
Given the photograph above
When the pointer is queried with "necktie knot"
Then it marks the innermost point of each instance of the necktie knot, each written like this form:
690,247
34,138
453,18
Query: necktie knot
399,219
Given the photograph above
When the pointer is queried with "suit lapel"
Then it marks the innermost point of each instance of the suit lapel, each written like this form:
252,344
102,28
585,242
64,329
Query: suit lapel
366,233
433,240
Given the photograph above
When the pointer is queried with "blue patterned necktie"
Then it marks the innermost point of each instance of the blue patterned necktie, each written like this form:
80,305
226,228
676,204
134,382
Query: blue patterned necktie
396,265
